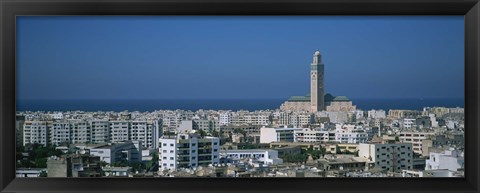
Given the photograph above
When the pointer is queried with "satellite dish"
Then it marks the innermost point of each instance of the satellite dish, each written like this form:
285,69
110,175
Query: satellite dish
82,151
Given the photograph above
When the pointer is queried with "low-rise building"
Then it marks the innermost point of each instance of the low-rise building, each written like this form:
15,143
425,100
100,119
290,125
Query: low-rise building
267,156
449,159
268,135
125,151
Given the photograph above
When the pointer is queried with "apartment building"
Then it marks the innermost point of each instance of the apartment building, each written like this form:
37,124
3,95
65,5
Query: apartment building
393,157
188,151
311,135
415,138
36,132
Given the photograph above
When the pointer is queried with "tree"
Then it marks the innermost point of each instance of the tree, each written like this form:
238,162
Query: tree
215,133
202,133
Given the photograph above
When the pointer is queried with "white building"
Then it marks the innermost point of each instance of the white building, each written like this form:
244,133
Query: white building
409,123
347,133
119,131
80,131
225,118
117,152
377,114
450,159
311,135
268,135
185,127
188,151
392,157
100,131
36,131
61,132
267,156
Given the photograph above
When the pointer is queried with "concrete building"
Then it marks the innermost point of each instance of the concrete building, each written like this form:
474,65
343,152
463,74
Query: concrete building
268,135
393,157
74,166
409,123
415,138
36,132
225,118
266,156
188,151
376,114
399,114
81,131
341,148
125,151
100,131
450,159
347,133
120,131
311,135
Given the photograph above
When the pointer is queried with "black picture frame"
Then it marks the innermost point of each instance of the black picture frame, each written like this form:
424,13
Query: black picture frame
12,8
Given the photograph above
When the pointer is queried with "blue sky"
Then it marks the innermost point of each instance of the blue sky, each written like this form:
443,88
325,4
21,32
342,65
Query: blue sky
212,57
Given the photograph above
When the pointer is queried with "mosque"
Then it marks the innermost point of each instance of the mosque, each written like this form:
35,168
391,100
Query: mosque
317,100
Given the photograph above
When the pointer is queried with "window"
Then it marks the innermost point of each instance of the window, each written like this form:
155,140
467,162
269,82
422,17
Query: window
171,158
164,151
194,158
171,144
164,157
171,151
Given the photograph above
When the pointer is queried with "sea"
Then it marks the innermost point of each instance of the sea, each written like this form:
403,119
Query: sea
149,105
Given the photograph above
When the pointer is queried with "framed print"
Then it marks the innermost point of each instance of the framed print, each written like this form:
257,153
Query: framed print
257,96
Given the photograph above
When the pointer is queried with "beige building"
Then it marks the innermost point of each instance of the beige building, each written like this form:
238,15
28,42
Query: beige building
403,113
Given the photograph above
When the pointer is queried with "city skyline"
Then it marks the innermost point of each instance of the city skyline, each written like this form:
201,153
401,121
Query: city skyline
237,57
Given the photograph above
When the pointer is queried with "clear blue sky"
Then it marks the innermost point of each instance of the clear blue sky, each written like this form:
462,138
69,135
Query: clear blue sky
160,57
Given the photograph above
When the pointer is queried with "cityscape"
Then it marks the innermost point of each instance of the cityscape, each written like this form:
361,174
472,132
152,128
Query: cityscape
322,133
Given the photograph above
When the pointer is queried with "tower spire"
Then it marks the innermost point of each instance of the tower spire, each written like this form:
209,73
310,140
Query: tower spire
316,57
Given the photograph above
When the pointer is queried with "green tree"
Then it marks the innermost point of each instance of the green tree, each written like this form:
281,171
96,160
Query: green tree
202,133
43,174
215,133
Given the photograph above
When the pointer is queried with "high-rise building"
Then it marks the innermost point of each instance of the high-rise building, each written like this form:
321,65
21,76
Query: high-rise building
317,93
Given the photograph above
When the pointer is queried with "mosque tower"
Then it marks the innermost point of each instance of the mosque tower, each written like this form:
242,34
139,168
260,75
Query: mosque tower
317,102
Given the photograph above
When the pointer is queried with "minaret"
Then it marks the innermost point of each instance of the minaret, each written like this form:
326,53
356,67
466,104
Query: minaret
317,84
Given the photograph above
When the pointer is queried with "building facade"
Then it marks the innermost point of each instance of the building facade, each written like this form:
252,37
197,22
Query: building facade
188,151
393,157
